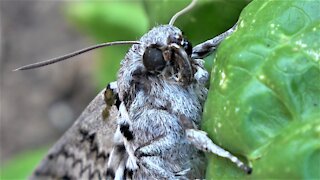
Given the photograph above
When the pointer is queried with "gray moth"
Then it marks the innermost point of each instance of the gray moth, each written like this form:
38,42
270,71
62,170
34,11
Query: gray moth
146,124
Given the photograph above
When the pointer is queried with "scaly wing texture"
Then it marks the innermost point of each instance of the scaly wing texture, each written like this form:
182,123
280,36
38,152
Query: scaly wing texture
83,151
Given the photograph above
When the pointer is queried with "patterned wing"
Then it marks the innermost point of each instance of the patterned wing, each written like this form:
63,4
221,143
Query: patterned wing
83,151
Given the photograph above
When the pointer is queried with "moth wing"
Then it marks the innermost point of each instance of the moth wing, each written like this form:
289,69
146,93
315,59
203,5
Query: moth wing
83,151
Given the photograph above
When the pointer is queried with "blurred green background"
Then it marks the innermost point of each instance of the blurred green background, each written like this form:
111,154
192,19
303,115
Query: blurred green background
105,21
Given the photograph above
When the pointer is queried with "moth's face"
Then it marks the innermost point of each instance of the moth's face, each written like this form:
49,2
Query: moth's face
169,55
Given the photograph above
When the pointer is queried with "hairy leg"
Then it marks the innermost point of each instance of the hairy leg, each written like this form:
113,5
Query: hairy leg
206,48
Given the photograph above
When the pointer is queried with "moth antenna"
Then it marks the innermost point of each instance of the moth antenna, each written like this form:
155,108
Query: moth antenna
76,53
186,9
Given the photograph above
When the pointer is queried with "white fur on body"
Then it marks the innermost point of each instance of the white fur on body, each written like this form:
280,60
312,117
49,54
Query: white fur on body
155,112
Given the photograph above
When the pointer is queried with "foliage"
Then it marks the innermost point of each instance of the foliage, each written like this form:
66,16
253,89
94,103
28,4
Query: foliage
21,166
264,97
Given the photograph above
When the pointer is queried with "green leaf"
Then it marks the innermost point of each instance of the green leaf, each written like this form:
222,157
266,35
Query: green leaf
264,100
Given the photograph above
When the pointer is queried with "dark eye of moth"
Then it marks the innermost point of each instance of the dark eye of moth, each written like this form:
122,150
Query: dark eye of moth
153,59
188,47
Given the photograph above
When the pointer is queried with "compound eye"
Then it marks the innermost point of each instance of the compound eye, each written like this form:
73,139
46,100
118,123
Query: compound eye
153,59
188,47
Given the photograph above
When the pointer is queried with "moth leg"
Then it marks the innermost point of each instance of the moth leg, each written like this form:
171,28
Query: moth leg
149,156
166,137
115,163
127,134
201,75
157,171
121,170
117,156
156,147
201,141
206,48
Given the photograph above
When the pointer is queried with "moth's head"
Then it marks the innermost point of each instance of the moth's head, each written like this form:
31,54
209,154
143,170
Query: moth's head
168,53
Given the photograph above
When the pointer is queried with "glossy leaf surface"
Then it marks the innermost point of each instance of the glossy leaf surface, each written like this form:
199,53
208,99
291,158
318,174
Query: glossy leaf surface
264,99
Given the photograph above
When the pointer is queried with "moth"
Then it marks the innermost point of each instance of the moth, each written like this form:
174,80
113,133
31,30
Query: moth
146,124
